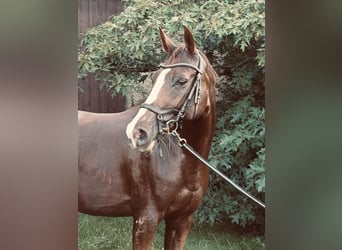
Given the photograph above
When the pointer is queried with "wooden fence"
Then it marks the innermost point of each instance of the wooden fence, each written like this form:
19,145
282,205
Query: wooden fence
91,13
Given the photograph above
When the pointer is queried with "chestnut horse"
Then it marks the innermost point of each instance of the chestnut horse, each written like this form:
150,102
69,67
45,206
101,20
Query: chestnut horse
130,163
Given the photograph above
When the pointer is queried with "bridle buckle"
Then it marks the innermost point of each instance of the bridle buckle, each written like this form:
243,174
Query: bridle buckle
171,125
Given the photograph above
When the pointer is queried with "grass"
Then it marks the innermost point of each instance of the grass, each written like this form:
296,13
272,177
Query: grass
115,233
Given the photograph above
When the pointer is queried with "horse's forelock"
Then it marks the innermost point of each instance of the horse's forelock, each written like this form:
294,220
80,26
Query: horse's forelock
178,52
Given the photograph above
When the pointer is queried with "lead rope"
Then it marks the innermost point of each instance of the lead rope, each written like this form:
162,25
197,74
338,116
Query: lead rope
182,143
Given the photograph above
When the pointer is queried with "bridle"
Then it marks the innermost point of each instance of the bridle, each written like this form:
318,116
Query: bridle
173,124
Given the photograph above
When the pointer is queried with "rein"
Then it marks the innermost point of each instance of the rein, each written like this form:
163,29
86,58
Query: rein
182,143
195,89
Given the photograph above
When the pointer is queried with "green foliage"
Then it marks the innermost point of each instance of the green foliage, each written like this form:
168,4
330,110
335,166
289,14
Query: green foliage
117,51
232,35
238,151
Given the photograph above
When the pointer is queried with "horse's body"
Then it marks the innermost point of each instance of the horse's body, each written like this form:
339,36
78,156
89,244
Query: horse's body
151,179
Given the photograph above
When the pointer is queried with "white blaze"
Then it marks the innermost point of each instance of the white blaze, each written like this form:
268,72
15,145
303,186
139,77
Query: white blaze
150,99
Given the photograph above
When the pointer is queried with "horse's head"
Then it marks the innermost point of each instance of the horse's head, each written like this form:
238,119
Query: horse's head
182,88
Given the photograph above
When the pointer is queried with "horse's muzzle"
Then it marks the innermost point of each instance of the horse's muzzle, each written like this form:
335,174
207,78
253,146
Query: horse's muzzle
140,137
142,131
141,141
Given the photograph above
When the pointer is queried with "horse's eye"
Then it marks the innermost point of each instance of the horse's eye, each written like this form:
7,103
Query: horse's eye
182,81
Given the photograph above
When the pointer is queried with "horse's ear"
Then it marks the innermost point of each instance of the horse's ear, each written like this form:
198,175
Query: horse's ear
168,44
189,40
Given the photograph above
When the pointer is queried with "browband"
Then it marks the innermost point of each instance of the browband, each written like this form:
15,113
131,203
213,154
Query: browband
181,65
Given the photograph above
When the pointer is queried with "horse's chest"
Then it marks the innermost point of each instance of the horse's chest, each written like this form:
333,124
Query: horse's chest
164,182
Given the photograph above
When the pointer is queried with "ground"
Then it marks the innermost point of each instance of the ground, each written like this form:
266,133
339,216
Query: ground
115,233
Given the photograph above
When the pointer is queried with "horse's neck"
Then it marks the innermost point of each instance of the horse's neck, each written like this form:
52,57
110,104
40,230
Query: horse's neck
199,133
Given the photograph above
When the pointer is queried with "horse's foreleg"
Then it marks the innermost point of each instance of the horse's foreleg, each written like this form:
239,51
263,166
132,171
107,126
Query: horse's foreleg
144,227
176,232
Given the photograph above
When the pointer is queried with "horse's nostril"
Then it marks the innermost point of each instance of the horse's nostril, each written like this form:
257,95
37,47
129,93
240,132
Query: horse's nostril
140,135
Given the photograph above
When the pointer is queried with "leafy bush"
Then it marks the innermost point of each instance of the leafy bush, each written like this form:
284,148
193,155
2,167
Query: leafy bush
232,35
237,150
